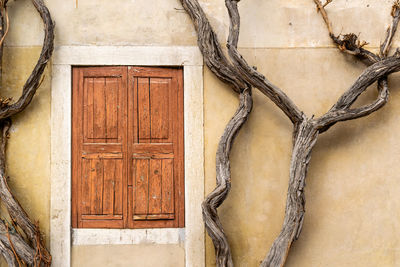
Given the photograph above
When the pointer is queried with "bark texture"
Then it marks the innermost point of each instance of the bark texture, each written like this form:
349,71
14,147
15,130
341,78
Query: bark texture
305,139
219,64
237,72
219,194
21,242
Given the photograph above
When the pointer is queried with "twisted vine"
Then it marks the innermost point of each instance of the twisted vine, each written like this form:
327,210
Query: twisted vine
237,72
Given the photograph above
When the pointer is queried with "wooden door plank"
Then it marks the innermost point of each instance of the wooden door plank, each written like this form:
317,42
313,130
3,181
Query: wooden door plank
167,186
112,109
96,198
89,124
102,156
162,148
86,187
141,186
121,191
179,167
132,172
100,223
143,110
94,148
118,186
99,110
152,155
159,106
132,110
109,183
103,71
77,125
155,185
160,72
154,217
102,217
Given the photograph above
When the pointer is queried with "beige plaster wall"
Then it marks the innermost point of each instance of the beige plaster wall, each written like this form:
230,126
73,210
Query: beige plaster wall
273,23
128,256
353,183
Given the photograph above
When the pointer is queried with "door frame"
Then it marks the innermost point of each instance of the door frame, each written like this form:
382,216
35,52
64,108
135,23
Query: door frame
62,236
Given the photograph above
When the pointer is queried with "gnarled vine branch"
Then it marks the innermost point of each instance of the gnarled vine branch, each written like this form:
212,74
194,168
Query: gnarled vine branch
222,68
21,241
218,195
238,73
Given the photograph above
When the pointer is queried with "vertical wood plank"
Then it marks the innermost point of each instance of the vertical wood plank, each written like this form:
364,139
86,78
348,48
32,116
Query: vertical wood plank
141,186
132,169
96,198
112,110
90,107
77,134
99,109
86,181
155,185
167,186
118,185
109,184
159,106
179,181
143,110
133,119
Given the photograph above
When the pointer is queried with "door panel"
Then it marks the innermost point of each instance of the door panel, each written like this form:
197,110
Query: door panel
155,122
153,185
160,96
99,147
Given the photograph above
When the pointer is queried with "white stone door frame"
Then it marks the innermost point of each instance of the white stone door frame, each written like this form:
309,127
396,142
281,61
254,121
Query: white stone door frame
62,236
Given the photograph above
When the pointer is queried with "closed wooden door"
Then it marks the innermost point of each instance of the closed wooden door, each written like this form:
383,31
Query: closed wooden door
155,147
127,147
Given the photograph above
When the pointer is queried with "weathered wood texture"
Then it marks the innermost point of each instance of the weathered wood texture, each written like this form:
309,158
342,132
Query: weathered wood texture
155,148
21,241
219,194
237,72
216,60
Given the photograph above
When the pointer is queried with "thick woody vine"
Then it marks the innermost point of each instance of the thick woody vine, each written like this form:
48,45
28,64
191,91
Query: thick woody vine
235,71
21,242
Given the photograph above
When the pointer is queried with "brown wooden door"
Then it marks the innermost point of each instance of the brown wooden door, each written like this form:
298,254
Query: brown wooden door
99,147
155,148
127,147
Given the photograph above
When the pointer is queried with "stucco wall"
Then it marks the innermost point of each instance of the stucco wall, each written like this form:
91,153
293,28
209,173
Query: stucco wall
353,183
129,256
